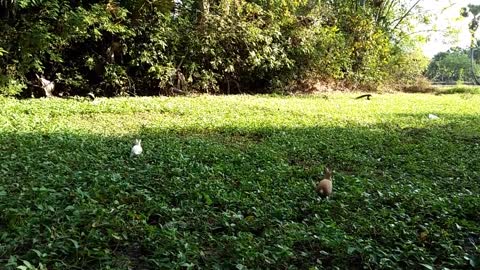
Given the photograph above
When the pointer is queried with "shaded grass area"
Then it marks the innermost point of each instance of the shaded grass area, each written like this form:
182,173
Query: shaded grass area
458,89
225,183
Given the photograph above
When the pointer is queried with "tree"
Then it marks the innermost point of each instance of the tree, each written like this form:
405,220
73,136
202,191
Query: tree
449,66
145,47
474,11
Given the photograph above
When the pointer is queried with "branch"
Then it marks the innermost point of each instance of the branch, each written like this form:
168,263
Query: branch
389,7
406,14
423,31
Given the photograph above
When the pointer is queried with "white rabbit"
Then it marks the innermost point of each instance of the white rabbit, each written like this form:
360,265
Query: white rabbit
137,148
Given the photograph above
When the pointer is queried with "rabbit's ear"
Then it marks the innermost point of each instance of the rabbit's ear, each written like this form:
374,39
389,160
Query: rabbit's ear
327,172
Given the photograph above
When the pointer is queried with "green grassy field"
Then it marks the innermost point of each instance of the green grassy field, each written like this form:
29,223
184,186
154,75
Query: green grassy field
225,183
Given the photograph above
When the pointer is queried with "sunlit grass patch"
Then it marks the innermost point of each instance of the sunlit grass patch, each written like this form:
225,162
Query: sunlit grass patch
225,182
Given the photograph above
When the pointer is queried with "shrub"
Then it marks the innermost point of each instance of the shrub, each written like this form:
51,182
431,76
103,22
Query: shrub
10,87
140,48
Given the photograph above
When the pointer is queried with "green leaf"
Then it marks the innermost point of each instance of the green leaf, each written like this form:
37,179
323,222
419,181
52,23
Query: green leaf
75,243
427,266
474,261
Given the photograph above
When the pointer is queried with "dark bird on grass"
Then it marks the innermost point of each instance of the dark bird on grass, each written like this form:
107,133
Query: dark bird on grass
368,96
325,186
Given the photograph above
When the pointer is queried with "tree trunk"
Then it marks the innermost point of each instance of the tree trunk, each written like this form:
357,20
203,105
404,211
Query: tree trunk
472,61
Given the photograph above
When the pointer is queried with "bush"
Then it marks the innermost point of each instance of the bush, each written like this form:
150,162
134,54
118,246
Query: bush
421,85
10,87
134,48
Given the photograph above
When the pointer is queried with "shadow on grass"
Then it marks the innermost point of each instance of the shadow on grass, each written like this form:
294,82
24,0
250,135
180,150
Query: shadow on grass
231,197
460,89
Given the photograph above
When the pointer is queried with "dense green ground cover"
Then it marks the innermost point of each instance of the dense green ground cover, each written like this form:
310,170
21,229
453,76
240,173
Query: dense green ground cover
225,182
457,89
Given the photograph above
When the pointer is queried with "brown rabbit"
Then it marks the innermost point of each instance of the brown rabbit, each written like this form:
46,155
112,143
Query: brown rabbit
325,187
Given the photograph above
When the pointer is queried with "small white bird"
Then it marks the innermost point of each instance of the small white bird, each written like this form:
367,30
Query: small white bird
94,100
91,96
433,116
137,148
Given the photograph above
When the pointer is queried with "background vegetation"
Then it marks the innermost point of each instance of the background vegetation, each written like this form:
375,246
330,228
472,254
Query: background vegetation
218,46
452,66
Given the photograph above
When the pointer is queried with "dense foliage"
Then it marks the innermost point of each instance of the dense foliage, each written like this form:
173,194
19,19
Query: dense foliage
451,66
473,11
148,47
225,183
